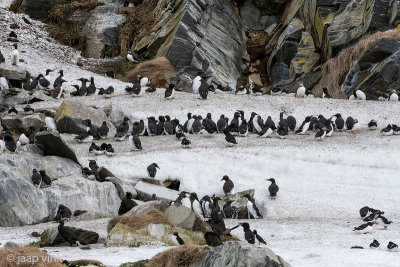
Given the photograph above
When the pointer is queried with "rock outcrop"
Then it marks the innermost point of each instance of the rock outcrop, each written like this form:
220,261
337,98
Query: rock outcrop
20,123
183,217
234,253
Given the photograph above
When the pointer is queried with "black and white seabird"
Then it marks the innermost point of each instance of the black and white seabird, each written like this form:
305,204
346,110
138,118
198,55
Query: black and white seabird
203,89
15,55
151,126
126,204
228,185
375,244
372,125
222,123
58,90
259,238
281,133
243,128
185,143
388,130
270,123
283,123
273,188
257,123
176,239
364,211
325,93
195,204
266,132
234,125
12,34
291,121
212,239
103,130
92,87
122,130
229,211
12,111
392,247
87,173
110,150
229,138
151,89
170,92
304,126
169,128
301,91
160,125
350,123
96,149
63,212
9,142
197,124
95,169
209,126
241,90
45,178
138,128
135,143
131,58
248,234
321,133
364,228
36,178
252,209
28,110
358,95
186,124
152,170
58,79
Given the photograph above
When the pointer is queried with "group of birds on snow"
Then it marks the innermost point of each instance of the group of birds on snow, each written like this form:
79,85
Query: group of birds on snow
374,217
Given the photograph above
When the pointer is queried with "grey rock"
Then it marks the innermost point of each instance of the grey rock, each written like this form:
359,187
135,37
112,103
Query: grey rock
70,116
15,74
146,206
239,202
146,190
20,123
11,245
240,254
183,217
38,9
253,17
53,144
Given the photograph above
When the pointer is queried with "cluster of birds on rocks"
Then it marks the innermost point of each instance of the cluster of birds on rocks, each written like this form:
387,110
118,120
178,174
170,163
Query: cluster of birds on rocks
374,219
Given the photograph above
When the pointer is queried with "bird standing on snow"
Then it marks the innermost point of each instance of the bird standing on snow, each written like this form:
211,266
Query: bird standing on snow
358,95
375,244
228,185
176,239
240,90
321,133
15,55
196,84
259,238
325,93
392,247
170,92
301,91
135,143
203,89
122,130
350,124
103,130
252,209
185,143
394,96
229,138
304,126
372,125
222,123
364,228
152,170
273,188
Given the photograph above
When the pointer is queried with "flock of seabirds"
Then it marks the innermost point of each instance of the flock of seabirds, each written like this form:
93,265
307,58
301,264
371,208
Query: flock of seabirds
239,126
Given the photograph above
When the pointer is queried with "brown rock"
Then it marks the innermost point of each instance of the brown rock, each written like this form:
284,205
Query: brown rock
35,234
14,26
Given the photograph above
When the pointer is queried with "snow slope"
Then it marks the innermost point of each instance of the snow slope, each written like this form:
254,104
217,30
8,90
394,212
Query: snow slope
322,184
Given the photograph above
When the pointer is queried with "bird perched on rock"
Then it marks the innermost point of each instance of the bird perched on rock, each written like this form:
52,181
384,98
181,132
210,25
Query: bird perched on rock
170,92
176,239
229,138
12,111
212,239
273,188
131,58
28,110
15,55
325,93
50,124
364,228
63,212
135,143
57,81
248,234
95,149
228,185
95,169
36,178
9,142
252,209
68,234
152,170
45,178
127,204
229,211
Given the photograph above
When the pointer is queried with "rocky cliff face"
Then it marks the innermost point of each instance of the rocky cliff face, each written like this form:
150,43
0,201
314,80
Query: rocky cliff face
270,42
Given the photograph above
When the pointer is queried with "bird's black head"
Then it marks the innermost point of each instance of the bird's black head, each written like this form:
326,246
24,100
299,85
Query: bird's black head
308,119
91,79
34,171
225,178
189,115
247,196
175,234
325,90
48,71
271,179
209,115
15,46
245,225
167,117
222,116
255,232
42,172
129,195
171,86
155,165
161,118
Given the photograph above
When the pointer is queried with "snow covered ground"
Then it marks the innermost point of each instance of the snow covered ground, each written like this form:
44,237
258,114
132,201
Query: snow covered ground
322,184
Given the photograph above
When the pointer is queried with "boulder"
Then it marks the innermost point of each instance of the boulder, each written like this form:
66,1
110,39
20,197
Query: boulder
38,9
20,124
239,202
53,238
254,18
183,217
102,28
14,74
306,58
235,253
20,202
200,36
153,234
146,190
70,116
146,206
53,144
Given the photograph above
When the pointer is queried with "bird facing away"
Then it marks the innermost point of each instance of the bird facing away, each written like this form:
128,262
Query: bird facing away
273,188
228,185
